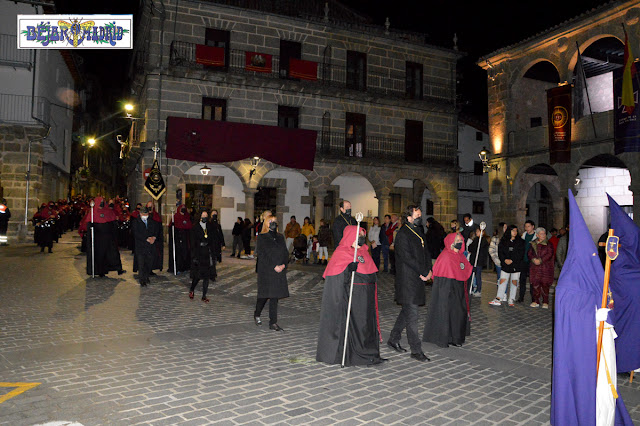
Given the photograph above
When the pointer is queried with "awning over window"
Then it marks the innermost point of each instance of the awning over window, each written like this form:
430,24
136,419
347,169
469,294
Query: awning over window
223,141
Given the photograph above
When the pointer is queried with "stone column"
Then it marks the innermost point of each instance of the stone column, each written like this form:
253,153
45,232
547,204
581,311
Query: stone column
383,204
319,213
249,203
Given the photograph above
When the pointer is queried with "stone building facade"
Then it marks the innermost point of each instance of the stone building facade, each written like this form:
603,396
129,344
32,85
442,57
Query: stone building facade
376,82
37,98
518,77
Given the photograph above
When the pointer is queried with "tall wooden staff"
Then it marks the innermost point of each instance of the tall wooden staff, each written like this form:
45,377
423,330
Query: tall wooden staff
93,258
359,217
173,235
611,250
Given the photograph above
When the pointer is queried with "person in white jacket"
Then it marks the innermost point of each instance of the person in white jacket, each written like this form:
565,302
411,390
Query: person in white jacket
493,247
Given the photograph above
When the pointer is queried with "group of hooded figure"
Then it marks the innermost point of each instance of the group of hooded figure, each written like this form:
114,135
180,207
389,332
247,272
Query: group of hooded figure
448,320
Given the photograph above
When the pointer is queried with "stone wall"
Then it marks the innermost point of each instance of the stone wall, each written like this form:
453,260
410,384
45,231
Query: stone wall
14,141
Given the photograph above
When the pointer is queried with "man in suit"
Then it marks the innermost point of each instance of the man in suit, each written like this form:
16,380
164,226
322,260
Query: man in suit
146,232
343,220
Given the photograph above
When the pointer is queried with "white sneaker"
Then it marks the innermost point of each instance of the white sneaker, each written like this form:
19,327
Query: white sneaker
545,306
534,304
477,294
495,302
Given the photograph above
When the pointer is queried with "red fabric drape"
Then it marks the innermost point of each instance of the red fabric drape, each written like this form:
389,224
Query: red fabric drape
258,62
304,70
210,55
223,141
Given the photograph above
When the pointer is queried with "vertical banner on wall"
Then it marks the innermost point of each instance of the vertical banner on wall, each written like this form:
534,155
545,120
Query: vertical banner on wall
626,119
559,114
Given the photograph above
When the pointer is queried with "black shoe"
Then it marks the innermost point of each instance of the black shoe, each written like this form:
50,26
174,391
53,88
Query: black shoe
378,361
457,345
50,251
232,255
121,271
143,283
520,300
396,346
42,250
152,274
420,357
275,327
257,320
101,275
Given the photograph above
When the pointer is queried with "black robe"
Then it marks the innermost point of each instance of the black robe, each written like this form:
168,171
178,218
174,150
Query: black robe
447,320
272,251
412,260
105,248
158,257
183,249
363,346
145,252
204,252
339,223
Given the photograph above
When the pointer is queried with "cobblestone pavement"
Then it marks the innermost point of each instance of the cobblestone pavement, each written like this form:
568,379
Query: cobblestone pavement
106,351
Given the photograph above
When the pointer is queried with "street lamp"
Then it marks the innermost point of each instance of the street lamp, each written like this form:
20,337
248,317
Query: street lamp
205,170
486,167
254,165
91,142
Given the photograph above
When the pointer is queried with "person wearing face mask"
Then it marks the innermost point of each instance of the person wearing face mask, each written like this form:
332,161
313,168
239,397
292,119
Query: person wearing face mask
158,245
220,245
511,253
273,258
146,234
448,318
204,240
343,220
363,345
180,226
105,244
413,269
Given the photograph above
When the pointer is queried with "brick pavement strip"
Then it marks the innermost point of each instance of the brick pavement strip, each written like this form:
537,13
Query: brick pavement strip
108,352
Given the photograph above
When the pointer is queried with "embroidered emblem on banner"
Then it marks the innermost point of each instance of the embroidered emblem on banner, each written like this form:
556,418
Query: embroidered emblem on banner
154,184
612,247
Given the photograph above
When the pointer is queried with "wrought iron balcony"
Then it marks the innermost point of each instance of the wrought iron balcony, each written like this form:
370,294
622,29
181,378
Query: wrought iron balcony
338,145
470,182
17,109
391,84
11,56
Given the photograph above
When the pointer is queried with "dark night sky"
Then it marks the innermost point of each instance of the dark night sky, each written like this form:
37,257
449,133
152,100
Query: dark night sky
481,26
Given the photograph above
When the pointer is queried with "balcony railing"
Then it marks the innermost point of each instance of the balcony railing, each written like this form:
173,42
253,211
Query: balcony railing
470,182
336,144
11,56
17,109
183,54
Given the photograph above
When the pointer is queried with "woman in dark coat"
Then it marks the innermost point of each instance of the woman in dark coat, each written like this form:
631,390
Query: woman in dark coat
273,258
236,232
180,226
511,254
363,346
541,268
448,317
204,243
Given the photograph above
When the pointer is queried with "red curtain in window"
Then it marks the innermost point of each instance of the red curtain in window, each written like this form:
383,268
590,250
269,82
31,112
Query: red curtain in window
223,141
304,70
209,55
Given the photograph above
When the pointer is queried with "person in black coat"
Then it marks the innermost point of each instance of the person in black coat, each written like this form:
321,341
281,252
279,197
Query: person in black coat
146,233
273,258
413,269
246,237
5,215
343,220
511,254
205,249
219,236
434,237
236,232
482,260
